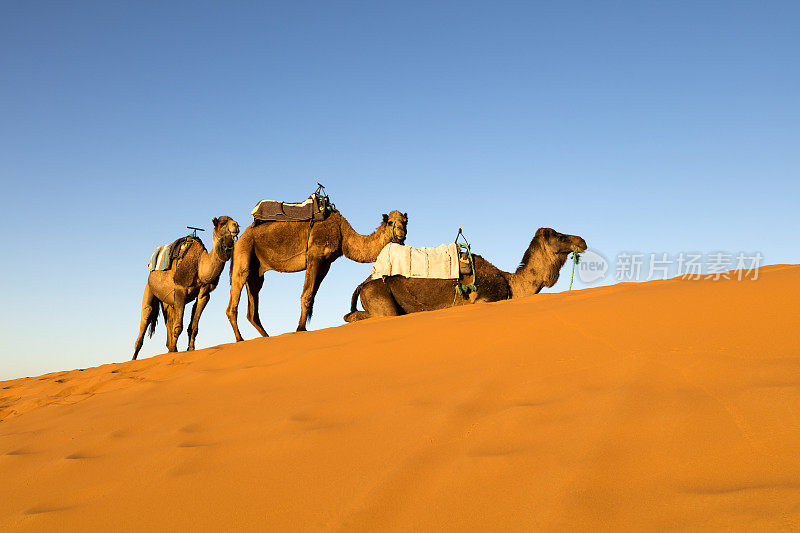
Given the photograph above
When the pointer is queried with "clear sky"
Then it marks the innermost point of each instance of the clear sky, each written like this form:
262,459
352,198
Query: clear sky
642,126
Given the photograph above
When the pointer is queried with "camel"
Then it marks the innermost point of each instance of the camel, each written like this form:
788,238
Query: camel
192,277
290,246
398,295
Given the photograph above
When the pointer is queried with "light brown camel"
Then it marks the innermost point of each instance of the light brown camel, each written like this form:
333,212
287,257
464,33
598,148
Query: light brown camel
288,247
192,277
398,295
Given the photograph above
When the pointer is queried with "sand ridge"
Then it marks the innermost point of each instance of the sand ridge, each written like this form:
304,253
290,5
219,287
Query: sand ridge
669,404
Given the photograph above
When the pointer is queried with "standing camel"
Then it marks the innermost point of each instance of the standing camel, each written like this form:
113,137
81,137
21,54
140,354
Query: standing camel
398,295
192,277
289,246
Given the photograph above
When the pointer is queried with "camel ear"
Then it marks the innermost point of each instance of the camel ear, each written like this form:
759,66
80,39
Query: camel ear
215,221
385,218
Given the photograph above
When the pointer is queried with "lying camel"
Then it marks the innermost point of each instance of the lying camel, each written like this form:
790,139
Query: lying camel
191,277
398,295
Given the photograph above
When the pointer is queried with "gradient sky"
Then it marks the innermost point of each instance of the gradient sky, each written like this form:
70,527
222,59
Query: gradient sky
641,126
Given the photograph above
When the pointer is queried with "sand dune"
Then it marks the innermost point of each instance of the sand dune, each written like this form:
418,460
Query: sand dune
664,405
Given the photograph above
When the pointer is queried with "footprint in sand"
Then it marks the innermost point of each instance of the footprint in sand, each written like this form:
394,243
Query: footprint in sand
315,423
22,451
494,451
119,434
191,428
82,455
40,509
195,444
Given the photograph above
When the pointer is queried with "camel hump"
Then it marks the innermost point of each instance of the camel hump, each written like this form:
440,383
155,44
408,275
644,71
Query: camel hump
440,262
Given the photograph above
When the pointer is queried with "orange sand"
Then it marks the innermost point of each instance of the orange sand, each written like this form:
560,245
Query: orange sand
672,404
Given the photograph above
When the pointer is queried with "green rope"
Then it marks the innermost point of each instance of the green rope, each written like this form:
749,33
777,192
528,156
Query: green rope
466,289
576,258
462,289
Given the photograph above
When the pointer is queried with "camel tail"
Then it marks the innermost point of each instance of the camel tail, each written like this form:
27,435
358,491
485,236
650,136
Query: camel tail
356,294
152,320
354,315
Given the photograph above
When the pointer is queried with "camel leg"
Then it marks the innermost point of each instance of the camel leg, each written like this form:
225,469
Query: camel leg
177,320
239,274
377,299
191,321
253,285
149,314
316,270
166,310
197,310
355,316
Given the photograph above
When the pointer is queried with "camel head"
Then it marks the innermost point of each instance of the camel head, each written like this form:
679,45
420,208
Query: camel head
559,243
395,223
225,232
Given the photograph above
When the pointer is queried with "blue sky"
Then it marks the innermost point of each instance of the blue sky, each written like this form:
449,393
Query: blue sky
641,126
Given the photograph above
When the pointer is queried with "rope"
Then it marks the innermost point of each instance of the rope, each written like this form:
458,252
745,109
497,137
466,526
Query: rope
576,258
462,289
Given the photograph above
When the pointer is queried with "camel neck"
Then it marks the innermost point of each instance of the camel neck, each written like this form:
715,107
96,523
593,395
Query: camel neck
211,264
362,248
539,268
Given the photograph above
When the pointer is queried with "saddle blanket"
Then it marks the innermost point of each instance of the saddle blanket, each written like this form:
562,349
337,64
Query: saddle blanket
163,257
315,207
441,262
160,260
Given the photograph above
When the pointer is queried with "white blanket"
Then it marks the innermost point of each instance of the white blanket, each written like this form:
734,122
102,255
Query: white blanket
439,263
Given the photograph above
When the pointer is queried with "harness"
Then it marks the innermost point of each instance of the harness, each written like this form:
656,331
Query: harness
464,248
327,207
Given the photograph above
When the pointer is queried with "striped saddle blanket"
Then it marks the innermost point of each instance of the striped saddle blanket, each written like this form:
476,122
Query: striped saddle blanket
441,262
164,255
161,258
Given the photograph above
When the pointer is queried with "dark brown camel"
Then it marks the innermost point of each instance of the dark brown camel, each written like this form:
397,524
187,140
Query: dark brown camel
287,247
398,295
191,277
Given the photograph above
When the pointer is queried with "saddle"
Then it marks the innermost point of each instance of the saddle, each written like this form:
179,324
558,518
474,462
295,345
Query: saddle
317,207
164,256
445,261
